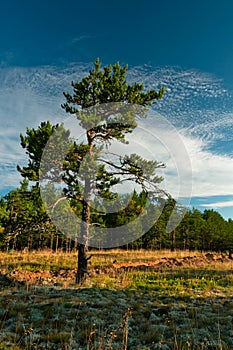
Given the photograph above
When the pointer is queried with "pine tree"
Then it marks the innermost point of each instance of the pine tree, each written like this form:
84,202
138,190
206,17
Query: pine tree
101,87
106,108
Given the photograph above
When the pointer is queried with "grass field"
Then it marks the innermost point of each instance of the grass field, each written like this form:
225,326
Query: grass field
130,300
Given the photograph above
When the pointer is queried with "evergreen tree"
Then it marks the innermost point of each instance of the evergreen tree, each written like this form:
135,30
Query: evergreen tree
229,238
215,230
101,87
26,223
91,103
34,142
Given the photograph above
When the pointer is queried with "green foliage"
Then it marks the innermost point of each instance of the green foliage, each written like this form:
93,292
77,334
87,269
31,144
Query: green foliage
24,223
34,142
105,86
91,103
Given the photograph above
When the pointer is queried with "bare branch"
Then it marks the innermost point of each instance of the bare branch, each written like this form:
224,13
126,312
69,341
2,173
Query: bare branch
98,213
62,199
56,203
112,153
111,164
96,224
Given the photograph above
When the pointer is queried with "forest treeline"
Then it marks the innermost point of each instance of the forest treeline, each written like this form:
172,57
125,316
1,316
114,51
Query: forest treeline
25,224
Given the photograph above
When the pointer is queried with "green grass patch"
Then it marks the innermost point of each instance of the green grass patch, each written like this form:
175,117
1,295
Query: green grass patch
185,282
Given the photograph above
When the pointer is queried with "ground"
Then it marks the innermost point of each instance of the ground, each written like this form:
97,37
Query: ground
141,301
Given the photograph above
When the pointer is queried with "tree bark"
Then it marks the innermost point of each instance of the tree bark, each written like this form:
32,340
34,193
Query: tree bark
173,245
82,270
82,264
230,254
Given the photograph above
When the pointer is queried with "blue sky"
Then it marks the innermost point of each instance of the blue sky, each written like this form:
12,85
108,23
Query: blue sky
191,34
185,45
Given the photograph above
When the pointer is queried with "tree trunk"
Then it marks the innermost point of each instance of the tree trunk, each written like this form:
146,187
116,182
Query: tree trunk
85,224
173,245
51,242
57,241
29,242
230,254
83,246
82,264
76,245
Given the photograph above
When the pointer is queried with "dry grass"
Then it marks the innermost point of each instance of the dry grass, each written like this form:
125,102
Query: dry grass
163,304
100,257
166,272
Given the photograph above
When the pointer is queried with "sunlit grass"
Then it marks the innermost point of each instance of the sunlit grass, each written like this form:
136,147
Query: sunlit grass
177,280
47,259
34,261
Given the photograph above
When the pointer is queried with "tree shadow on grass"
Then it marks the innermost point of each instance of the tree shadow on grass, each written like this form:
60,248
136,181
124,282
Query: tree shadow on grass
6,281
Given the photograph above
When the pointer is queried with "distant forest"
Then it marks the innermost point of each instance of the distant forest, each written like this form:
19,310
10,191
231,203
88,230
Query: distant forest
25,224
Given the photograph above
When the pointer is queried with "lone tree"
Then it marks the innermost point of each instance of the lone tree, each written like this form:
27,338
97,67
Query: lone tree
106,108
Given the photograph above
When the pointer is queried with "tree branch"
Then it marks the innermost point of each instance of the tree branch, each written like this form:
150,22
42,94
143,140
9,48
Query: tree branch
56,203
52,206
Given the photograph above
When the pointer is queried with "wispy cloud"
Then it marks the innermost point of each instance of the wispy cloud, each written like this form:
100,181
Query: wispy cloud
82,38
211,173
217,205
197,104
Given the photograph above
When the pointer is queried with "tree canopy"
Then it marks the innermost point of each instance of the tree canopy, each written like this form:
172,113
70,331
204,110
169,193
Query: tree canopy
107,108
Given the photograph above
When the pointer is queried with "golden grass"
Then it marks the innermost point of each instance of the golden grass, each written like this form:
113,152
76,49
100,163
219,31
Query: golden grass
134,269
46,258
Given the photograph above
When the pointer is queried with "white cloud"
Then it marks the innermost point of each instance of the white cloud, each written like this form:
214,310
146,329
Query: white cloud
211,173
191,169
195,103
201,109
217,205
